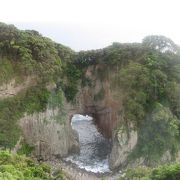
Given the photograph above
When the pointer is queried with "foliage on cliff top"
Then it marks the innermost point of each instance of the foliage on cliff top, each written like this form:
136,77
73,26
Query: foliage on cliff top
29,52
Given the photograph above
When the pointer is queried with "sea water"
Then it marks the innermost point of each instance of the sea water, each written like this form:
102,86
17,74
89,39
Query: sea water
94,148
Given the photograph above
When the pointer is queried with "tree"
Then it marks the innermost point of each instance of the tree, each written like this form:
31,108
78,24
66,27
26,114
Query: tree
160,43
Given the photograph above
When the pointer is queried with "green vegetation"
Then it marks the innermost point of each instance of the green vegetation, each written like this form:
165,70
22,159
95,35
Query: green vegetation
6,70
22,54
20,167
147,73
29,53
151,99
166,172
15,167
159,128
12,109
73,75
25,149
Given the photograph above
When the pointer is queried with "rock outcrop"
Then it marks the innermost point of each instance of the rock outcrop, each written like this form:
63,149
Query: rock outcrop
49,137
103,101
99,102
44,130
118,85
123,144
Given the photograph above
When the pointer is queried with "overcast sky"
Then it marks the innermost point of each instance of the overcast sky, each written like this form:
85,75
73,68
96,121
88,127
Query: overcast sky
91,24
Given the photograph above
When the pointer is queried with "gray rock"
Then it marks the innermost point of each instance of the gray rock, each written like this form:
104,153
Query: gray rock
49,137
122,146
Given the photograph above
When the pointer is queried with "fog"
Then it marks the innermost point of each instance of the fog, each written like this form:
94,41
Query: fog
90,24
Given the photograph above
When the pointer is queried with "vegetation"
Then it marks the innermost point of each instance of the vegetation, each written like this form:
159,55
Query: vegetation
25,149
147,83
166,172
22,54
6,70
11,109
159,128
13,166
20,167
70,86
147,73
29,52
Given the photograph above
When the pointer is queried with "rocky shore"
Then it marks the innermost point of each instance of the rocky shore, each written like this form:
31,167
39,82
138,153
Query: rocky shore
72,172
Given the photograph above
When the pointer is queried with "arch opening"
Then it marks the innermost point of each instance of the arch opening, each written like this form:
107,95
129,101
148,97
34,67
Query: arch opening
94,146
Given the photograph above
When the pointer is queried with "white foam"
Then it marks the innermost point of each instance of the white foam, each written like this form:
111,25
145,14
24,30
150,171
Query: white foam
79,117
91,142
98,167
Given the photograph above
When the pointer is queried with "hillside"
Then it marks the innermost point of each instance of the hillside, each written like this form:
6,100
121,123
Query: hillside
132,91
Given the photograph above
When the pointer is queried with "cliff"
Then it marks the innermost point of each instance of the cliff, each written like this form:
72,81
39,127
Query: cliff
104,99
104,102
131,90
34,110
48,137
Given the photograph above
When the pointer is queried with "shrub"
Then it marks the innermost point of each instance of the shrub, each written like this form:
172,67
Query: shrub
20,167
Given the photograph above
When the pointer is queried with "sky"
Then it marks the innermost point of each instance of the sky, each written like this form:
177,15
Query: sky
92,24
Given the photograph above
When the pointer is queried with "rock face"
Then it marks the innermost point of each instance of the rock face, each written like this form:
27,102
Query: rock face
123,144
43,130
12,88
48,136
53,138
98,101
103,101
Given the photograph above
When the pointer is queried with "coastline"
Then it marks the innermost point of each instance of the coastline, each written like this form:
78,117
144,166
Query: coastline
73,172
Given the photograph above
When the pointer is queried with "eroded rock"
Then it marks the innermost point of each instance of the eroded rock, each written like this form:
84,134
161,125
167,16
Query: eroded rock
48,136
123,144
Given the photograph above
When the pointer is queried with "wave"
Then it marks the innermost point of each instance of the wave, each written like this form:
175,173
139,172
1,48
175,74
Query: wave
94,148
79,117
97,167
